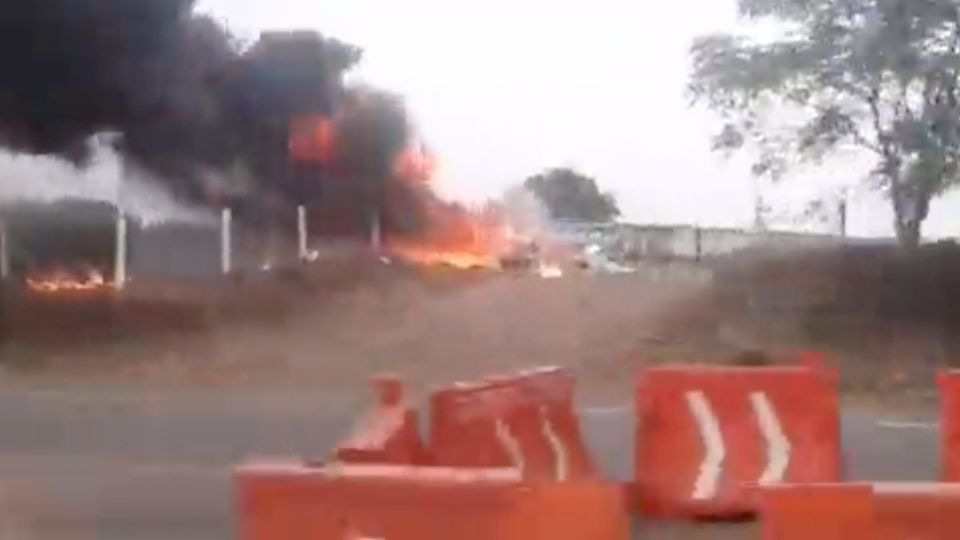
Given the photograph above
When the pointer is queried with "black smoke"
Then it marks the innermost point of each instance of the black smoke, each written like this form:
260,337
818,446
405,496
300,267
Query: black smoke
187,99
182,93
71,68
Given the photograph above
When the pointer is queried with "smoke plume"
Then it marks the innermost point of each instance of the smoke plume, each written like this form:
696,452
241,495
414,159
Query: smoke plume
185,97
146,69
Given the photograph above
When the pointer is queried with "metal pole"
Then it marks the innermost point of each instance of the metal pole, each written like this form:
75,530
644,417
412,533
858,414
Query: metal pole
120,253
302,232
226,249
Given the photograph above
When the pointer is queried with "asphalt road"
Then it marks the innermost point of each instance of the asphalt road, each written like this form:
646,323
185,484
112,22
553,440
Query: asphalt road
100,463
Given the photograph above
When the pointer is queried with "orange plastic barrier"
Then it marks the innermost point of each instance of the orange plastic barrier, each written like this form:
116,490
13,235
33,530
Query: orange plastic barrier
917,511
883,511
288,502
525,421
389,434
949,382
706,434
822,512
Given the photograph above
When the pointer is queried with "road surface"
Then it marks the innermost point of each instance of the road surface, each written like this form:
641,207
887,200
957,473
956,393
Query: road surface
102,463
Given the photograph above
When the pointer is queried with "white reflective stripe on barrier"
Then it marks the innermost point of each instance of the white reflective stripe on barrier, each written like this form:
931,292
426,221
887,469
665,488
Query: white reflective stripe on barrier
778,446
561,461
511,446
708,479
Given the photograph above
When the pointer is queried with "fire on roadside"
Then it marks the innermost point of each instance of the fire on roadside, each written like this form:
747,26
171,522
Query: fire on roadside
476,245
458,239
460,260
62,281
450,234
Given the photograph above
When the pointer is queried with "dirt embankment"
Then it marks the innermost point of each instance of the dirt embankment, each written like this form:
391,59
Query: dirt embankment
886,319
339,322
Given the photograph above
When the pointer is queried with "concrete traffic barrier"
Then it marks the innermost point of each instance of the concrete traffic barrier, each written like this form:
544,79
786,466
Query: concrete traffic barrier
526,421
290,501
705,435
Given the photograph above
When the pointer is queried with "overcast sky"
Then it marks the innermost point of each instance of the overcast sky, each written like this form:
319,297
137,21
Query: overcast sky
504,88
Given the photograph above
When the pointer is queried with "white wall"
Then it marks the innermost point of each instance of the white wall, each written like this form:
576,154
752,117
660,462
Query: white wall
680,242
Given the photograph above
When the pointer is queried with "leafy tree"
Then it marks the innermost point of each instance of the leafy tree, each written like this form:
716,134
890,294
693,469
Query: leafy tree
568,194
880,75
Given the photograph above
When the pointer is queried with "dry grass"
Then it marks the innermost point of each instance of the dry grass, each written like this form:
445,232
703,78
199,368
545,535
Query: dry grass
338,323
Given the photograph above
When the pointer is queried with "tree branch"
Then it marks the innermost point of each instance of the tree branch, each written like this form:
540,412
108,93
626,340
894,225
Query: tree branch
862,141
882,139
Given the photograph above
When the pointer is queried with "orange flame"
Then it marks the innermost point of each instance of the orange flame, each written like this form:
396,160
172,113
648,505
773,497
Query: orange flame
456,237
312,139
61,281
463,260
415,164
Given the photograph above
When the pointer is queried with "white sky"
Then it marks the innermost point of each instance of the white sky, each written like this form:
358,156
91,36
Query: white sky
504,88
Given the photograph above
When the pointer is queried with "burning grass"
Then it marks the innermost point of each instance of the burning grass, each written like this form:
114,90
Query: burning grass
61,309
64,282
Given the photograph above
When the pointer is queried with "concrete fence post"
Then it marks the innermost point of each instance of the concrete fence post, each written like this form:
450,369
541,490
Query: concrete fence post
120,252
376,233
302,233
226,240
